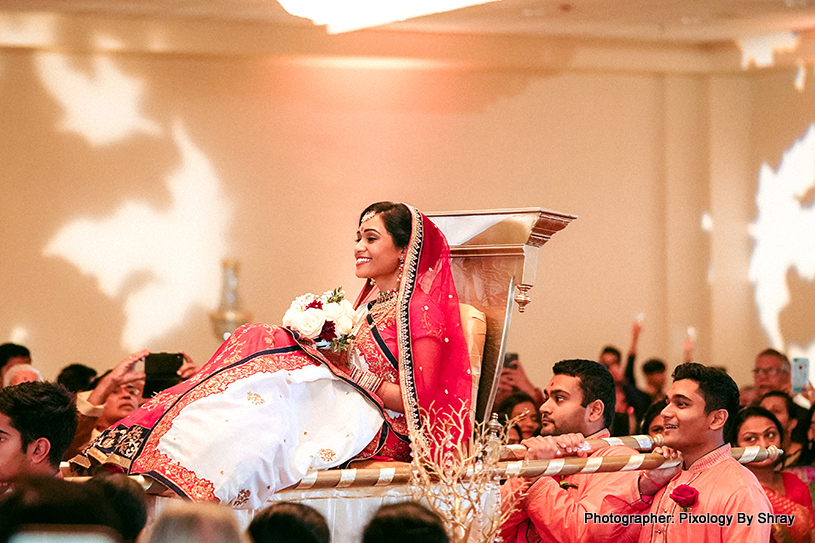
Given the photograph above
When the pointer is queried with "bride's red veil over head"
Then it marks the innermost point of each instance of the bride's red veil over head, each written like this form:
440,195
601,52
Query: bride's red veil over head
439,384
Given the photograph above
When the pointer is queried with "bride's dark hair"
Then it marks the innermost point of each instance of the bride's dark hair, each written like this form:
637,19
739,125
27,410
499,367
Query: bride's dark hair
395,217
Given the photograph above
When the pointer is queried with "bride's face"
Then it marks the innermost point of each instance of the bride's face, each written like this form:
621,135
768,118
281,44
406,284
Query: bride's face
376,255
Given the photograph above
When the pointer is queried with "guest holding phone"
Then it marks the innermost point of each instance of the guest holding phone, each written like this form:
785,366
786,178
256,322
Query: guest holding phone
117,393
514,381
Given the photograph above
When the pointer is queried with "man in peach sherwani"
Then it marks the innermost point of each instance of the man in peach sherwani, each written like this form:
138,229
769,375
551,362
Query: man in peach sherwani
702,404
579,400
724,500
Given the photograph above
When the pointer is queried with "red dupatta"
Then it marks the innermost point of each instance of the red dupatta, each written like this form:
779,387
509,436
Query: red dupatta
434,365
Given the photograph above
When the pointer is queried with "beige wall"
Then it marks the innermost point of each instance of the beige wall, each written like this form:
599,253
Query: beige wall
302,133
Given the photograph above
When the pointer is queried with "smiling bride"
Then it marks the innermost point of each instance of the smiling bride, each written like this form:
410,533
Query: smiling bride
269,405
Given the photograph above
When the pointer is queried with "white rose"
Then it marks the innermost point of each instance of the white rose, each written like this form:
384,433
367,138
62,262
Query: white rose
347,308
310,322
343,325
291,316
303,300
332,311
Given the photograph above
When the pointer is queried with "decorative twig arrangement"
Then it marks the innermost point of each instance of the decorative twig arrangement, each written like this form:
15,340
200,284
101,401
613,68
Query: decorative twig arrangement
460,479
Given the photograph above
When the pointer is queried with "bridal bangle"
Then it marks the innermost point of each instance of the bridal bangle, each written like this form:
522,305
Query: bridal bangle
366,379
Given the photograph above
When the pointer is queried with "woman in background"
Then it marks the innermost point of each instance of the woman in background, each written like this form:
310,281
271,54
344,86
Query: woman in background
523,407
781,405
652,421
787,493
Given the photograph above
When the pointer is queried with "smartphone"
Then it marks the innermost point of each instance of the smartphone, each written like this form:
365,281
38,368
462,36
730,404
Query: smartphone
511,360
161,370
800,374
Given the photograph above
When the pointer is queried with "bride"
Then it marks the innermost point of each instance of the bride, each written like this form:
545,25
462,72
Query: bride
269,406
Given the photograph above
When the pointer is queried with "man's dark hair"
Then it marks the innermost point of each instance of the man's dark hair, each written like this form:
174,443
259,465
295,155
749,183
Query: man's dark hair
718,389
785,362
655,365
596,383
610,349
289,521
405,522
50,500
41,410
12,350
127,499
77,377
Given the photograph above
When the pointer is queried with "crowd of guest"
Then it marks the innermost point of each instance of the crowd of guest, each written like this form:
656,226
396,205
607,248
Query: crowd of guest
40,425
43,423
114,508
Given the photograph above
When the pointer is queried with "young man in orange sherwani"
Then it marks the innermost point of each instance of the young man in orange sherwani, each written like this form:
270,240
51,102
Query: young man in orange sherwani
723,500
579,401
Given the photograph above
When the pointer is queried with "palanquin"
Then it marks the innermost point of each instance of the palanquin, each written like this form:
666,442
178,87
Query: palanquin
494,262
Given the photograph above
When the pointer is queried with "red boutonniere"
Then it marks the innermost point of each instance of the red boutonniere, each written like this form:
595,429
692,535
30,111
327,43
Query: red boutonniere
685,496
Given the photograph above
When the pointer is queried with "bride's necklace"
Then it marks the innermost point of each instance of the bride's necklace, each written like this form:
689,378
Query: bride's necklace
384,304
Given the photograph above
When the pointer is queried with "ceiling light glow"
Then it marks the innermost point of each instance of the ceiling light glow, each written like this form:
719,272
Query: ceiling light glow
760,49
347,15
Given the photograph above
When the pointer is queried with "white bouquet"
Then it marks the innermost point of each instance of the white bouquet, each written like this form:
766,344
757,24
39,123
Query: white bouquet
328,319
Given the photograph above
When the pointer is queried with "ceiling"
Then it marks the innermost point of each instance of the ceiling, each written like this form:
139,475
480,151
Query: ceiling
680,21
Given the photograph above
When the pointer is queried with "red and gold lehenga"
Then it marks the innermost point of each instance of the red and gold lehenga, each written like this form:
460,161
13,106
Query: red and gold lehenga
269,406
798,503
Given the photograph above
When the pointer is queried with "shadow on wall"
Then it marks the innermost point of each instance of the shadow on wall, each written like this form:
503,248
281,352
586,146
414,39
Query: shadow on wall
132,179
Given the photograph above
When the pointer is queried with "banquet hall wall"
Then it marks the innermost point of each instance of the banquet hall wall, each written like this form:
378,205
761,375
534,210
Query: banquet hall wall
180,143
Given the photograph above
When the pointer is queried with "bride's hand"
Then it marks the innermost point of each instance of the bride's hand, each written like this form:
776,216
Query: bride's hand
338,360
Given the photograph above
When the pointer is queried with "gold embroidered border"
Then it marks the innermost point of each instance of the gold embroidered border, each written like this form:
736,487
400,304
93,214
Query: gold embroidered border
153,460
406,290
374,357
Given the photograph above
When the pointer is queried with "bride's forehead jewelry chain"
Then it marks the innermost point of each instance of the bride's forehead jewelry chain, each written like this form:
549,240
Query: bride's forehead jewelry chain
368,216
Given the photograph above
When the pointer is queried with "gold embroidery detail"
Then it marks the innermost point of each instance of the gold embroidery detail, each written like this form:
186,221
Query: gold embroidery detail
373,355
243,497
433,325
384,313
255,398
327,455
152,459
